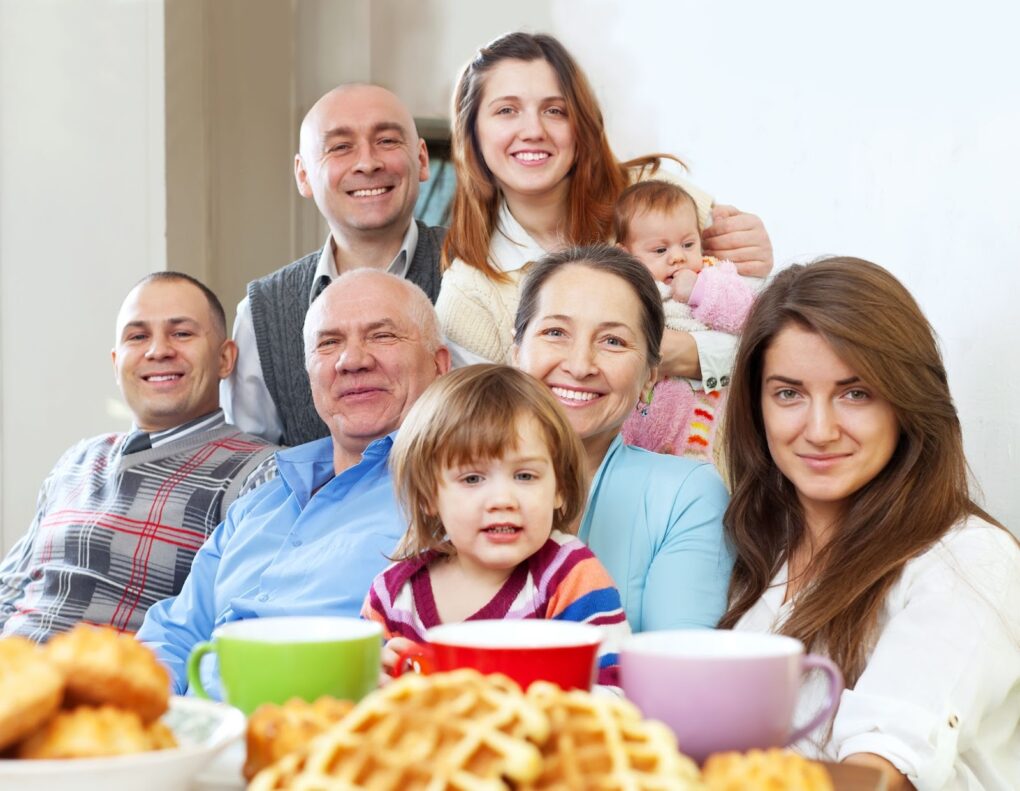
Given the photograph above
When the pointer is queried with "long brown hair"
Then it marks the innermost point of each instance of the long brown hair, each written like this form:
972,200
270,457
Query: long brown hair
597,179
874,325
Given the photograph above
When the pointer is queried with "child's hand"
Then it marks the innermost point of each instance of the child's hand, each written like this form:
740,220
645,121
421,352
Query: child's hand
392,650
683,284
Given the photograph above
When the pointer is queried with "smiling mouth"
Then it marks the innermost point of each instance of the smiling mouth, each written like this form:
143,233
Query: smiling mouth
162,377
578,396
531,156
370,193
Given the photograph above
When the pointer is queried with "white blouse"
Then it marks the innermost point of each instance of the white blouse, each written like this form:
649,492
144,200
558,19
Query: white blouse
940,695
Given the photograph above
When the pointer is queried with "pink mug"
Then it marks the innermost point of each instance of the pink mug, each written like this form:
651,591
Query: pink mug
723,690
562,652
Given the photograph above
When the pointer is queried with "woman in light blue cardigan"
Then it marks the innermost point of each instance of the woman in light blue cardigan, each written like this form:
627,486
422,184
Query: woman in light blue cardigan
588,326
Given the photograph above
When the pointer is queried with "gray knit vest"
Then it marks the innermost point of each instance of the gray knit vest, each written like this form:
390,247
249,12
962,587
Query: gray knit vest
278,305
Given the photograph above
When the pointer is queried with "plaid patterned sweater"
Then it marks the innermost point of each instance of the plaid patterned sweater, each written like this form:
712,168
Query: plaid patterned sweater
115,533
563,580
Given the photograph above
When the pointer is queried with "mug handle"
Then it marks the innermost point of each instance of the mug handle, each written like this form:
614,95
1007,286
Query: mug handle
420,659
812,662
194,661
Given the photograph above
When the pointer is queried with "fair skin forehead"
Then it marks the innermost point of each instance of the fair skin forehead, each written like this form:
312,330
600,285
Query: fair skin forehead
590,352
518,489
521,80
361,306
169,354
174,302
366,359
829,431
527,142
650,225
351,109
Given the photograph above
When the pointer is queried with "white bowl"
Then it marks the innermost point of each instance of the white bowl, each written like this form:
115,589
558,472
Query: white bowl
202,727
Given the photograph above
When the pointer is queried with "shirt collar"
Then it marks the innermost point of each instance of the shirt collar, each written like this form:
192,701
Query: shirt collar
204,423
309,467
512,247
325,269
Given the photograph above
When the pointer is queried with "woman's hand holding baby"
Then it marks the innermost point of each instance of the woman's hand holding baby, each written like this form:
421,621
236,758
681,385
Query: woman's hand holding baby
741,238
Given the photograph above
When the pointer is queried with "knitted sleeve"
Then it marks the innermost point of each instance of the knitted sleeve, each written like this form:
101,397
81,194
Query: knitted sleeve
372,610
473,314
375,610
585,592
391,602
721,299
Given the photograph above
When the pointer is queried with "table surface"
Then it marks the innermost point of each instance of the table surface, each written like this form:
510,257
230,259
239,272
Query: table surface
225,774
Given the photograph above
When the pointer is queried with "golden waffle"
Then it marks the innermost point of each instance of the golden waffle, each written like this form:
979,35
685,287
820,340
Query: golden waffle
31,689
104,667
274,731
458,730
600,742
768,770
88,732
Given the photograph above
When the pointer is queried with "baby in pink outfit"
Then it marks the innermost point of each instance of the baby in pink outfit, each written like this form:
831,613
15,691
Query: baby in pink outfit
657,222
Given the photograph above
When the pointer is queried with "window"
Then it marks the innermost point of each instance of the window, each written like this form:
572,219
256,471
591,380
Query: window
435,195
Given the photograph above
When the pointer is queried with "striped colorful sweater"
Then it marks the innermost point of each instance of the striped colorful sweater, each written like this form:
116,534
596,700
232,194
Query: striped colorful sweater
563,580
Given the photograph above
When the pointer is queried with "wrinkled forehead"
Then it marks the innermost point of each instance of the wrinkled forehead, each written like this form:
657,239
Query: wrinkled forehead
358,307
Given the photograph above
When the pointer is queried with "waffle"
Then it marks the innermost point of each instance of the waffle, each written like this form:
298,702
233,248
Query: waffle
773,770
31,689
275,731
88,732
104,667
448,731
603,743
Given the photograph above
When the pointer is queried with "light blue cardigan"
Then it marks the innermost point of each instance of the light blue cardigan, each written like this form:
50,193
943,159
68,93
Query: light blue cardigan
655,522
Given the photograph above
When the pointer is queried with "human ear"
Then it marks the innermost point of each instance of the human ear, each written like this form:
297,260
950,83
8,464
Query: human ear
228,358
423,161
301,177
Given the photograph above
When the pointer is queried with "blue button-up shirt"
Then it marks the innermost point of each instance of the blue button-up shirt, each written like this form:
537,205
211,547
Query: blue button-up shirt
306,543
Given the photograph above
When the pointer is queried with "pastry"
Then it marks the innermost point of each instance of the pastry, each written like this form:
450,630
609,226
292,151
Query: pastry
275,731
601,742
458,730
31,688
92,732
104,667
777,769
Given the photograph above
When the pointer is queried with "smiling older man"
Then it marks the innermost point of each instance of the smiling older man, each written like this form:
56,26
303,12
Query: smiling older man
120,517
310,541
361,161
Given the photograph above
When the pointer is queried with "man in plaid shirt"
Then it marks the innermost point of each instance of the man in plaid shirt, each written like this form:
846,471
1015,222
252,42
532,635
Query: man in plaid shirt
120,516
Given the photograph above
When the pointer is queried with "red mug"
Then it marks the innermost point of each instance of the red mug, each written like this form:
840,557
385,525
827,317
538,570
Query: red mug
562,652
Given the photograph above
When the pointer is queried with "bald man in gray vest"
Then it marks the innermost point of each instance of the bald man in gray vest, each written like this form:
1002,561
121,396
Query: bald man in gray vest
361,161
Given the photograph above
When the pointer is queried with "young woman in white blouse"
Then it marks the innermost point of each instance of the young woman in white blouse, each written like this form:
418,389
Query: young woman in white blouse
855,530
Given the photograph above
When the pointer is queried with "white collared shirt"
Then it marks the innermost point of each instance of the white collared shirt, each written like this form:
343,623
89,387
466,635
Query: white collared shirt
940,695
243,395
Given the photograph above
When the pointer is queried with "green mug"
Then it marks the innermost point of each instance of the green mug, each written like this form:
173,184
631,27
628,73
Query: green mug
271,660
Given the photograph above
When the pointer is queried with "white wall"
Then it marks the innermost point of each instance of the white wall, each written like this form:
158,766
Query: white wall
81,218
884,130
